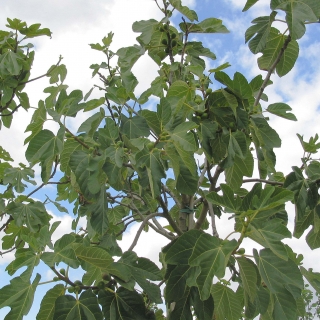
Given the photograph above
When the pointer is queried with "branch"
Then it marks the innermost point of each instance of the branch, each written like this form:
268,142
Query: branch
10,113
15,247
213,220
173,196
166,215
144,222
6,224
270,71
273,183
44,75
213,181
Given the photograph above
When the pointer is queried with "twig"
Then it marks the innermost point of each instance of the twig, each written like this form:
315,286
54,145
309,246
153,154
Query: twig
143,224
173,196
213,220
10,250
213,181
12,112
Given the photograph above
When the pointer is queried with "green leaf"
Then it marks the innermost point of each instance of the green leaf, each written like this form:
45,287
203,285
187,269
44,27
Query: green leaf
212,257
312,277
134,127
190,14
23,257
274,44
14,176
249,276
47,306
146,27
122,304
313,238
43,147
226,302
203,309
10,63
182,135
99,213
267,136
239,169
155,170
141,270
92,123
312,146
210,25
18,295
280,109
69,147
278,274
35,31
86,308
259,32
227,200
128,56
285,306
270,235
249,4
87,171
63,252
33,214
297,13
288,58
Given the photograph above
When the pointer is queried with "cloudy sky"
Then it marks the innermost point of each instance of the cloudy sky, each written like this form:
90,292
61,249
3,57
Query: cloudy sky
76,23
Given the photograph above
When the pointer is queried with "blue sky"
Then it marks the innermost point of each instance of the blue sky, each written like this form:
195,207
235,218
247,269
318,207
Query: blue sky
75,24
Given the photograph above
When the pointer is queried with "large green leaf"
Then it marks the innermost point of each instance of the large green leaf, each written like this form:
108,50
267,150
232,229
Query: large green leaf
288,58
15,176
63,252
23,257
226,303
134,127
209,25
32,214
249,276
190,14
146,27
278,274
239,169
86,308
141,270
280,109
297,13
259,32
47,306
212,256
155,170
94,256
43,147
270,235
122,304
99,212
128,56
18,295
92,123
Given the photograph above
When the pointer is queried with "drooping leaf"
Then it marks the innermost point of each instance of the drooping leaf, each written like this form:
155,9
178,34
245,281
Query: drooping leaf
280,109
86,308
18,295
190,14
226,302
47,306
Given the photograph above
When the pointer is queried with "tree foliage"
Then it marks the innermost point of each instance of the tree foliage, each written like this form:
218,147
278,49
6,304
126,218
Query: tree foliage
133,160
